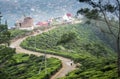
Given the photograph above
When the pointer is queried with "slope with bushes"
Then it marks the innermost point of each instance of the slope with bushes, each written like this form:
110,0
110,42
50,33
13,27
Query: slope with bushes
70,39
15,34
23,66
80,43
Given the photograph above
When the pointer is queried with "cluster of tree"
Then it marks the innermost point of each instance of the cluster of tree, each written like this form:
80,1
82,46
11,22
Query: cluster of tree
4,33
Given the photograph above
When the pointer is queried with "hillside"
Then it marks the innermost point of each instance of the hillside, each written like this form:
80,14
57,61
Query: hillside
81,44
23,66
16,33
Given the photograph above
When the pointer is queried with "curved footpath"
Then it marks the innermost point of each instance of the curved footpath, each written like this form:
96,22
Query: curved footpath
66,63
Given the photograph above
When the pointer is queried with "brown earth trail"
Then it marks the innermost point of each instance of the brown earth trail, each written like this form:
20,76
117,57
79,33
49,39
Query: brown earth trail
66,63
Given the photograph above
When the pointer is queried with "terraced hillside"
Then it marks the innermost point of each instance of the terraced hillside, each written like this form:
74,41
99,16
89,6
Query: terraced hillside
23,66
15,34
79,43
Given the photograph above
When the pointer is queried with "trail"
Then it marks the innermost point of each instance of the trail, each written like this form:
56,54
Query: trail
66,63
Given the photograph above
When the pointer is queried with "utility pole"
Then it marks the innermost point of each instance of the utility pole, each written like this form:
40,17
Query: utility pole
0,17
35,42
45,65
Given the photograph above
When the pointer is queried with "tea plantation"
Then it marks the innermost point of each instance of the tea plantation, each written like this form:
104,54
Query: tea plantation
79,43
15,34
23,66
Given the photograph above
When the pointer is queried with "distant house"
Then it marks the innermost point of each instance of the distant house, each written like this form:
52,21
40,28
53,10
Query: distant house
42,23
25,24
68,17
45,23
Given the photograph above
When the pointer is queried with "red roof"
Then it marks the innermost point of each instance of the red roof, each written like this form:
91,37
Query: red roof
42,23
69,14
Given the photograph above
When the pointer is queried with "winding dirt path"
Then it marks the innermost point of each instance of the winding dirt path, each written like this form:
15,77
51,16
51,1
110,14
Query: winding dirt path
66,63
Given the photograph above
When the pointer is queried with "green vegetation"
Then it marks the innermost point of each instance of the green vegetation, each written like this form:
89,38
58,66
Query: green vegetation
108,13
4,55
109,73
71,39
4,34
79,43
104,70
19,33
23,66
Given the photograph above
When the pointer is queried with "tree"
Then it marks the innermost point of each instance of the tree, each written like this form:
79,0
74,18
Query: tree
4,35
103,10
66,37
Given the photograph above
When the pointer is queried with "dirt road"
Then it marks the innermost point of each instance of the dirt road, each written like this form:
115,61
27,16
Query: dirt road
66,63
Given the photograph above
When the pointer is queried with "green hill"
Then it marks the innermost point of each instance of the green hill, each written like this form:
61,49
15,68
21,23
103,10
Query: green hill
80,43
69,39
16,33
23,66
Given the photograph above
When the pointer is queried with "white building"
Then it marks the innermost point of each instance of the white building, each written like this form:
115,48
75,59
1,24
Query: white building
68,17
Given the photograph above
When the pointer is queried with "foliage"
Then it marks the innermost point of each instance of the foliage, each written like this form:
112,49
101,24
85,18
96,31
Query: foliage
92,14
106,9
4,34
18,33
77,42
66,37
69,39
5,53
104,70
23,66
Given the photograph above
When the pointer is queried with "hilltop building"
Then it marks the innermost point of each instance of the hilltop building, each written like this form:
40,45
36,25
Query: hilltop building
66,18
25,24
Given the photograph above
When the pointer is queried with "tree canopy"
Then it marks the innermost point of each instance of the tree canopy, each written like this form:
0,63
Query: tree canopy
105,10
4,34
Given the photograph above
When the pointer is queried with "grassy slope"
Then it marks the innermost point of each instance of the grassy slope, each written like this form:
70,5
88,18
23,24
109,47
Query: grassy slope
79,43
18,33
23,66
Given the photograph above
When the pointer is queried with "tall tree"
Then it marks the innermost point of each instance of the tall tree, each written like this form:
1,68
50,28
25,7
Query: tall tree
105,9
4,35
